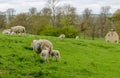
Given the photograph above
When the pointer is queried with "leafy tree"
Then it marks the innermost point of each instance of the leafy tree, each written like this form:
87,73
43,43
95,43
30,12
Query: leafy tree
2,20
116,21
20,19
103,20
86,23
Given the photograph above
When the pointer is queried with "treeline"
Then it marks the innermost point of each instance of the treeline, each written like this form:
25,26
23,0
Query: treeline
54,20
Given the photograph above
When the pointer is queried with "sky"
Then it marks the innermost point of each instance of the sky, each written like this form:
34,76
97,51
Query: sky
80,5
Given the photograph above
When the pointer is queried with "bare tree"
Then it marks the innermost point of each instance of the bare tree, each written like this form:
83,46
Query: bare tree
86,21
103,19
70,13
45,12
10,13
32,11
52,4
59,15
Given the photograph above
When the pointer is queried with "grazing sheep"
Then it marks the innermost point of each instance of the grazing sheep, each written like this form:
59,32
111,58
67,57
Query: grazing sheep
42,44
45,55
77,37
6,31
36,46
18,29
56,54
112,36
46,44
62,36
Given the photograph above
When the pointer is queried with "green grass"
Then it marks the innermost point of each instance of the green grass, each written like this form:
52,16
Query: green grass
79,58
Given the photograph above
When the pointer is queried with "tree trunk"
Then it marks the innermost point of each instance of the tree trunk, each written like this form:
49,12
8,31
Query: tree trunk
84,35
93,32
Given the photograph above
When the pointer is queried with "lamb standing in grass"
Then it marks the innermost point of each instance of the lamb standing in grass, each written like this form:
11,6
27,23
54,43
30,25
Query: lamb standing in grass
45,55
13,33
56,54
77,37
6,31
62,36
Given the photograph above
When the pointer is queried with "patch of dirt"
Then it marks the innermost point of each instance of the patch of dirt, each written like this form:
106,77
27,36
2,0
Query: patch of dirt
3,71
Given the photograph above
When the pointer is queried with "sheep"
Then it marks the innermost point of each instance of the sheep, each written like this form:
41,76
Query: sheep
18,29
56,54
77,37
36,46
45,55
12,33
42,44
6,31
112,36
46,44
62,36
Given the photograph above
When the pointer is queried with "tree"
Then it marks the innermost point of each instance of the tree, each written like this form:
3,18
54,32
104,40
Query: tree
85,26
2,20
116,21
52,4
32,11
20,19
46,12
69,14
10,13
103,20
40,20
59,15
93,27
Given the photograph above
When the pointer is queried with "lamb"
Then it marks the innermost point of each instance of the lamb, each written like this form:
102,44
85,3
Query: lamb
56,54
62,36
45,55
77,37
18,29
12,33
6,31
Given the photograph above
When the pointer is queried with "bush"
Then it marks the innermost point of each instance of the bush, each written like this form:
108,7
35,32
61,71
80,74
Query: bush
49,31
69,31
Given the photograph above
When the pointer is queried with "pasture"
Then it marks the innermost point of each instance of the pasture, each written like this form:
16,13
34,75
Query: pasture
79,58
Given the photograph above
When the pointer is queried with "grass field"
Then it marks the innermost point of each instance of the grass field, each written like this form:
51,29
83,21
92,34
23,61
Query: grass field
79,58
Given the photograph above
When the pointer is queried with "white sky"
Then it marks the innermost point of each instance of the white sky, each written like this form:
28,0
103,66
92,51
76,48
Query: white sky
80,5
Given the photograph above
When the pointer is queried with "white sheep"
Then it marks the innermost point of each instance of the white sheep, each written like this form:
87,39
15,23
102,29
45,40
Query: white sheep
42,44
77,37
45,55
56,54
12,33
46,44
62,36
18,29
36,46
6,31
